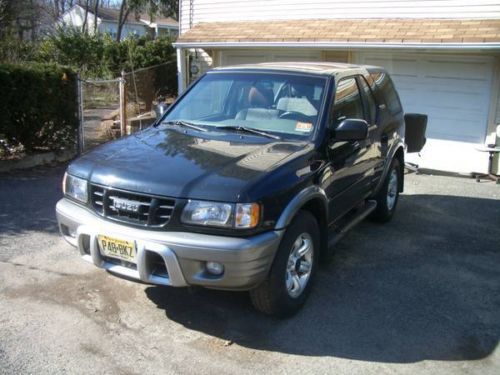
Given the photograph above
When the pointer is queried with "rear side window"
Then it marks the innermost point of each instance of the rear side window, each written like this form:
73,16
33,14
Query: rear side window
385,92
347,102
368,100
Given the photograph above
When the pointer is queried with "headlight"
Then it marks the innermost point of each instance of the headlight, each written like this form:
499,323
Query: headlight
75,188
219,214
208,213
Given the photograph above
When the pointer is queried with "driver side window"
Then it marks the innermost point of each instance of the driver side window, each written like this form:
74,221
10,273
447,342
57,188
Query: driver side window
347,103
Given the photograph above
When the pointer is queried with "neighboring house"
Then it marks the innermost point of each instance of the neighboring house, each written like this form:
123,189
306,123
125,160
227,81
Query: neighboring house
107,22
444,56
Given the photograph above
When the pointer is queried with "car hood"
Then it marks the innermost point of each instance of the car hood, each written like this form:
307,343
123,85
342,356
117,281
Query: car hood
186,164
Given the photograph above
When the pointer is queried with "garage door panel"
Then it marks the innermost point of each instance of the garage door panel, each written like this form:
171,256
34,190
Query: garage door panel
456,70
457,137
448,105
468,96
284,57
398,66
460,116
436,114
452,128
468,86
243,58
456,101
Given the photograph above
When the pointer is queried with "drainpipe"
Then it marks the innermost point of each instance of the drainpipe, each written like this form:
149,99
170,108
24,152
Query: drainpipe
181,70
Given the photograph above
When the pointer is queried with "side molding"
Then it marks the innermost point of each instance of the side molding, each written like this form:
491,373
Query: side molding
309,193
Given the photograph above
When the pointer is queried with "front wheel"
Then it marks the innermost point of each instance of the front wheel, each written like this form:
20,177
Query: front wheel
289,282
388,196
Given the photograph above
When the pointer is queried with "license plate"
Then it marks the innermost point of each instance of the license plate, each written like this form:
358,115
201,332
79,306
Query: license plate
117,248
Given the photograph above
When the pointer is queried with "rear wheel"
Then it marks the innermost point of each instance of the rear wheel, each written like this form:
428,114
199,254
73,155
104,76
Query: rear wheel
289,282
388,196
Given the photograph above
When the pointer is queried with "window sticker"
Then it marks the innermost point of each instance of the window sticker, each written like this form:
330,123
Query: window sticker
304,127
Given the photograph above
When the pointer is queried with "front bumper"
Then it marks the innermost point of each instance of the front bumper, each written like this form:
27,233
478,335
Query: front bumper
246,260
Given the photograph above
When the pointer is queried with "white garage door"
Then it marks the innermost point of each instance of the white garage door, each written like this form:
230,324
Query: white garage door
235,57
454,91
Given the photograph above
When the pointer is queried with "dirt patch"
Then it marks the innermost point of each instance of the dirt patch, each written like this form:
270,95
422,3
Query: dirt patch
96,295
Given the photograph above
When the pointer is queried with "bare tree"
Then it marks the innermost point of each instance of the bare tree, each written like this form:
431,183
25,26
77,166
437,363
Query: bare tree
6,16
153,7
59,6
96,11
122,17
85,17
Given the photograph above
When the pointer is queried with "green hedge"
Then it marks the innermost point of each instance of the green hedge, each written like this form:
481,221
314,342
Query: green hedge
38,106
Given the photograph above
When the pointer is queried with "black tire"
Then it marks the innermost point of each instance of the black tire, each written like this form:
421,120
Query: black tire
384,212
272,296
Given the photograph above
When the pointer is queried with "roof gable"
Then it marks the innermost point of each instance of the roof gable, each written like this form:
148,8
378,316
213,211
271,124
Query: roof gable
113,14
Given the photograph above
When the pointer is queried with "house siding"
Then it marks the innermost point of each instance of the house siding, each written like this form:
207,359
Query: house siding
75,17
239,10
497,115
111,28
496,97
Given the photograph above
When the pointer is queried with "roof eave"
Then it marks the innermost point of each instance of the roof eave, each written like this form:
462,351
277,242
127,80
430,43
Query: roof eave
340,45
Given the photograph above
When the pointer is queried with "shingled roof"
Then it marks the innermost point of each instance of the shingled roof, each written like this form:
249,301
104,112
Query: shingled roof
400,31
113,14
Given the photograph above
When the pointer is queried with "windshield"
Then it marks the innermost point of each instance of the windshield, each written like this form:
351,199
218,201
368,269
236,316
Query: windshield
286,104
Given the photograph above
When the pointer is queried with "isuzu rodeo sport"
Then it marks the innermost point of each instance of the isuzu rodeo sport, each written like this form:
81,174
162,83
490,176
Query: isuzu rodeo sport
245,183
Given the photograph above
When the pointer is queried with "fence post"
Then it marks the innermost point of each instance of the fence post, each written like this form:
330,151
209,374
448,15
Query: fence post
123,106
81,136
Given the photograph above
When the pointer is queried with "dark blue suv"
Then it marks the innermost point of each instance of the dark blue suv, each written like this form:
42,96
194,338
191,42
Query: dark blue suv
245,183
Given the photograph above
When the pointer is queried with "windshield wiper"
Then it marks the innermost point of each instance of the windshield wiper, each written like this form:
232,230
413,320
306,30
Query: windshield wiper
185,124
248,130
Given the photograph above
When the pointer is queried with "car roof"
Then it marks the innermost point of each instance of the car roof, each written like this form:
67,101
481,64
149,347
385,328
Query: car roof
320,67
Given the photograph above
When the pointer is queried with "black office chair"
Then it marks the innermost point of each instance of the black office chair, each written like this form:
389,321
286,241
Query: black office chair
415,127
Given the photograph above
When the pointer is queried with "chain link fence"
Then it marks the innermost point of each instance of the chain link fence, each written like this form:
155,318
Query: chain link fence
100,109
114,108
145,89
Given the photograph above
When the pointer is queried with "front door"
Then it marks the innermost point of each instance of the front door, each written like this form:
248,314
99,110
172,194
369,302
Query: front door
351,164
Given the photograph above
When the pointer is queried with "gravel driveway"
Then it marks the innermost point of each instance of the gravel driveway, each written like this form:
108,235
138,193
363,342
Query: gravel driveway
418,295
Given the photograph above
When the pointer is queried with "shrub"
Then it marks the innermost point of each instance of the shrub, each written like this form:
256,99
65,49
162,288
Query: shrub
79,51
38,107
101,56
15,51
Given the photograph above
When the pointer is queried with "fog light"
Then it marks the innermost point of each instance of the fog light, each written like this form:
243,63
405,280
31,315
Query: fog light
67,231
214,268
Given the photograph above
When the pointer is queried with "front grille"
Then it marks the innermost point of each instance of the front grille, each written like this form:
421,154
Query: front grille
119,262
139,209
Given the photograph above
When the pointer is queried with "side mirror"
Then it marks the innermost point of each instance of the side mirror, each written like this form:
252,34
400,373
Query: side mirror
351,130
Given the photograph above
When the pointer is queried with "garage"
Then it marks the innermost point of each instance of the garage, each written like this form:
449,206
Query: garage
448,69
455,92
